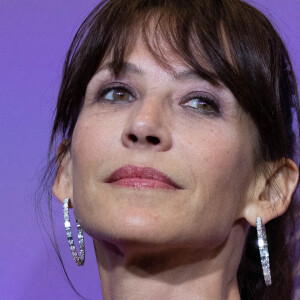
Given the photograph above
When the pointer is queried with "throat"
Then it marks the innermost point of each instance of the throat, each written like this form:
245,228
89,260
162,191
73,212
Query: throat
170,274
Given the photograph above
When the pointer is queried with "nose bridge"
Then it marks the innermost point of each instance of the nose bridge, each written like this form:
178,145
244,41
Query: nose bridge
147,126
149,113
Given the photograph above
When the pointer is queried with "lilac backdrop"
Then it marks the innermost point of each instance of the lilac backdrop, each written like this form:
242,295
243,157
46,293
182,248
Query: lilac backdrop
34,37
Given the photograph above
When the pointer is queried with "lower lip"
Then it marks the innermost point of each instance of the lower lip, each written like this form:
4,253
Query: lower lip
140,183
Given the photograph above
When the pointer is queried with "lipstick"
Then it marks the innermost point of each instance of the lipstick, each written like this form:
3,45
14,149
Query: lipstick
141,178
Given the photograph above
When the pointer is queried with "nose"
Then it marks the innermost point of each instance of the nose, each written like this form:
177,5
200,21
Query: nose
147,127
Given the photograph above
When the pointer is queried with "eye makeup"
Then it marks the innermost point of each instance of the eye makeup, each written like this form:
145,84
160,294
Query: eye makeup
202,102
115,93
120,93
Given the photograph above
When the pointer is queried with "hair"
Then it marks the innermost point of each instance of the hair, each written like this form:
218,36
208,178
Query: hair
242,50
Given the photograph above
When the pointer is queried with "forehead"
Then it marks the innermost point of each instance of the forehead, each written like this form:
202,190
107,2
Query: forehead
140,56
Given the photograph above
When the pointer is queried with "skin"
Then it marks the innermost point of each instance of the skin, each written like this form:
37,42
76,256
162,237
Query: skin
168,244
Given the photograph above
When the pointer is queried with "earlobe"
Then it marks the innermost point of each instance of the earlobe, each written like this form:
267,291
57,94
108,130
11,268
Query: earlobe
63,186
273,192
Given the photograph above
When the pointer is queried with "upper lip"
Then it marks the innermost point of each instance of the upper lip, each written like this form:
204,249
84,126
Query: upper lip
130,171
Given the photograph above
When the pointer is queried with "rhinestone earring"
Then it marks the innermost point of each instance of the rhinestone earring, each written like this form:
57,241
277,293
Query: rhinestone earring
79,259
263,250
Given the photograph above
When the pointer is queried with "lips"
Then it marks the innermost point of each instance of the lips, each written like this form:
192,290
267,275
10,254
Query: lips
141,178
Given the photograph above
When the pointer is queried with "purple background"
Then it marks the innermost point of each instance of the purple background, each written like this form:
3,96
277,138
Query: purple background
34,37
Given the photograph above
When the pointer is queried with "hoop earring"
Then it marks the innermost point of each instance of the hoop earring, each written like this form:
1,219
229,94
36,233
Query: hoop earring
263,250
79,259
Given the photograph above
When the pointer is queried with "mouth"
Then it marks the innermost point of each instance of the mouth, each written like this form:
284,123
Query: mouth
141,178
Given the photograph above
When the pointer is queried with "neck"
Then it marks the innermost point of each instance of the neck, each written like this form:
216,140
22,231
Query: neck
174,273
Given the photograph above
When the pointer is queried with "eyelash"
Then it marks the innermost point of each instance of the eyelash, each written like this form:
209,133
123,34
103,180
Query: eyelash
116,86
206,100
127,89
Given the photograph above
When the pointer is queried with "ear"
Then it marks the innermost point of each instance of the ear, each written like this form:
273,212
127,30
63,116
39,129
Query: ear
272,193
63,186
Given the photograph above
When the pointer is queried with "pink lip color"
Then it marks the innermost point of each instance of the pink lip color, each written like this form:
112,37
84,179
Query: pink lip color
141,178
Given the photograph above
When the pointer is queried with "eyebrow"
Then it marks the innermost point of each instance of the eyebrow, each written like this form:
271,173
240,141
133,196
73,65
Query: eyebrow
128,67
187,75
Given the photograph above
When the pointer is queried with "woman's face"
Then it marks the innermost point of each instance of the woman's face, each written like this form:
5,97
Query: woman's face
158,157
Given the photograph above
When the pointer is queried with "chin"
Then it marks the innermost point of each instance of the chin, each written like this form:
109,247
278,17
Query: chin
134,227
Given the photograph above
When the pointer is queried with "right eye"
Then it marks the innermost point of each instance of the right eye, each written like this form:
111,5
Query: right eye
116,94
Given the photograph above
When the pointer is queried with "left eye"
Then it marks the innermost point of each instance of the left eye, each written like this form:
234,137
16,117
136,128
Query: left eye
117,94
203,104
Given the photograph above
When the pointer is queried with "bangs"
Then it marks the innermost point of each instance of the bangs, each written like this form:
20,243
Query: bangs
163,30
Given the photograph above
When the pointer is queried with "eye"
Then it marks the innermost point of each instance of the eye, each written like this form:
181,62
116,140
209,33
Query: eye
116,94
203,104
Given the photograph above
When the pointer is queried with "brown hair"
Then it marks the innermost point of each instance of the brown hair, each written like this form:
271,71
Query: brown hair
243,51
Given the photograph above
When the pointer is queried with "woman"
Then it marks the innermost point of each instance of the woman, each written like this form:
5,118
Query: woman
174,126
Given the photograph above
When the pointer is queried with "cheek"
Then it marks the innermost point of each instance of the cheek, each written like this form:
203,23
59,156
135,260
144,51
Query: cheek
220,164
219,155
89,152
95,135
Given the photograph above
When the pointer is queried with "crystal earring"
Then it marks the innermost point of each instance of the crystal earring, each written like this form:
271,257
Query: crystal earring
263,250
79,259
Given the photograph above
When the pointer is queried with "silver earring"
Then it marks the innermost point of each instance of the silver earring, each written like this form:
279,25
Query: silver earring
79,259
263,250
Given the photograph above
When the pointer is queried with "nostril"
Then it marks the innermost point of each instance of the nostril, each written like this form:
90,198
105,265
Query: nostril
133,138
149,139
153,140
